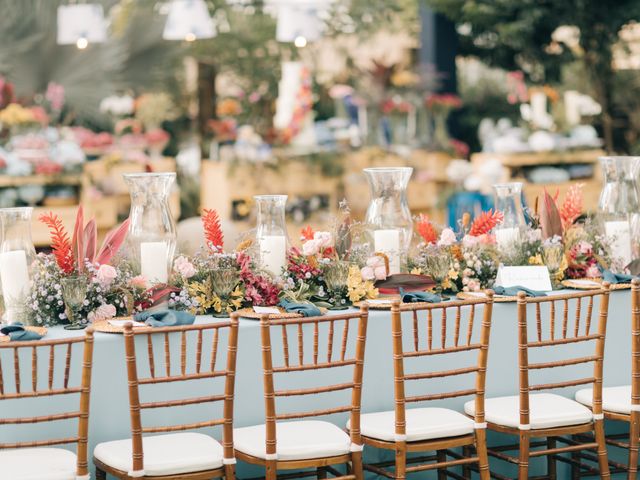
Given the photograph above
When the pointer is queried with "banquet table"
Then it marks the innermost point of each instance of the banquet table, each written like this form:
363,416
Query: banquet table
109,416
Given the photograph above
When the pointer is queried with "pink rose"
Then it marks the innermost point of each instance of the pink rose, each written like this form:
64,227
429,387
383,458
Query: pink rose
105,275
367,273
184,267
139,282
310,247
593,271
103,312
584,248
376,269
447,238
469,241
324,239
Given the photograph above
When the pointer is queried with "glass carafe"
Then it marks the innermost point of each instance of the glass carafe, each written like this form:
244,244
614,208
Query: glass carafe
151,239
619,208
17,255
271,233
508,200
388,217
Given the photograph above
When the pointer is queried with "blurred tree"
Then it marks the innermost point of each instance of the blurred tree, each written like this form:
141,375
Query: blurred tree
519,34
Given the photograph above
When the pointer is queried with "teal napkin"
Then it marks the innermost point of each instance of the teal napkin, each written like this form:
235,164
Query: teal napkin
412,297
609,276
513,291
305,309
165,318
17,333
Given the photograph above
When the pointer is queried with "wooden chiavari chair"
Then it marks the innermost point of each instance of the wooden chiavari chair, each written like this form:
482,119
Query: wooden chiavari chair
286,445
550,417
175,456
33,459
434,429
620,403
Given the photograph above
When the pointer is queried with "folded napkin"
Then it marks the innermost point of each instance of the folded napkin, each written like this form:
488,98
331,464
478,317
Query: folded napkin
305,309
609,276
412,297
165,318
513,291
17,333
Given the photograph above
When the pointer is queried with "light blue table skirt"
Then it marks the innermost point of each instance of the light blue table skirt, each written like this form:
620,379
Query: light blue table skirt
109,418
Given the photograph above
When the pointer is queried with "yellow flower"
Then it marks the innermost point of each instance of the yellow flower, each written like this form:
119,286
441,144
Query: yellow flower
536,260
453,274
359,289
416,271
15,114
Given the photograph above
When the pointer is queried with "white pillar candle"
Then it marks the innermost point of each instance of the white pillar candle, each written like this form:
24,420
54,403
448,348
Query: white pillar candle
273,253
538,108
14,274
572,107
388,242
620,233
507,237
153,261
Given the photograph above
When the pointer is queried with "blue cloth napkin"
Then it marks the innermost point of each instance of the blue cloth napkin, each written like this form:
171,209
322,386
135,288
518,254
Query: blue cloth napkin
412,297
513,291
305,309
609,276
17,333
165,318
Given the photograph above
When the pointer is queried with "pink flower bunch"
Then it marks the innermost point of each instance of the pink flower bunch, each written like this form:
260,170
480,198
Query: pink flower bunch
184,267
259,289
582,261
473,241
103,312
300,267
447,238
375,269
106,275
322,242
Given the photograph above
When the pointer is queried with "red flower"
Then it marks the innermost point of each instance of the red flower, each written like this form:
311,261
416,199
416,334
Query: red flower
426,230
60,243
485,222
307,233
212,229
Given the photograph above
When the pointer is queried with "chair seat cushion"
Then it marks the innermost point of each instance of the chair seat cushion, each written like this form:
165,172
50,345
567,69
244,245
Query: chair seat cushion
614,399
547,410
294,440
422,424
169,454
38,464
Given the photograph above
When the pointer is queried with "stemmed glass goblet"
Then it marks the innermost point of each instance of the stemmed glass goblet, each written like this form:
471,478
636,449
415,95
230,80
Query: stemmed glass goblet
74,291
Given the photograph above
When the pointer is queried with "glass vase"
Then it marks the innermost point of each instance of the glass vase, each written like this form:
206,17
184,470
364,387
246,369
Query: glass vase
388,217
17,255
271,233
619,207
508,200
152,232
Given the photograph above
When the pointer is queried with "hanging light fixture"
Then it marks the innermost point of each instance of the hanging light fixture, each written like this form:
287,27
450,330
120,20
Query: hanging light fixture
81,25
188,20
298,23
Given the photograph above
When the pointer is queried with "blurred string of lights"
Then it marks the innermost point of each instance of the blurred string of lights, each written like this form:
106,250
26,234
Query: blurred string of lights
298,21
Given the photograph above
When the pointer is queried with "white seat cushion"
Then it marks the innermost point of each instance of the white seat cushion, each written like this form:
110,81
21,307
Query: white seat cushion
38,464
546,410
294,440
169,454
422,424
614,399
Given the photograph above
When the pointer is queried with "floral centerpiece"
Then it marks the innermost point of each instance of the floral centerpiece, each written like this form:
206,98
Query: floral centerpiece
218,283
112,289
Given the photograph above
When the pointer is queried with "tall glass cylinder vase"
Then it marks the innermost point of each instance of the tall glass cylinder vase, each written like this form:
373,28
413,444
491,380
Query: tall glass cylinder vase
271,233
619,208
152,232
17,255
388,217
508,200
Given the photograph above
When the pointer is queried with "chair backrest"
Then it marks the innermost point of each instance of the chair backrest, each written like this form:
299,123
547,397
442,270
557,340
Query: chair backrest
58,382
203,367
635,345
337,355
459,331
552,331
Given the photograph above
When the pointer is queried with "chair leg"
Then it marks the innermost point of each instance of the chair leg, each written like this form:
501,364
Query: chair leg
321,473
441,456
356,463
575,469
551,460
602,449
483,457
401,460
523,457
100,475
634,434
466,453
271,472
229,472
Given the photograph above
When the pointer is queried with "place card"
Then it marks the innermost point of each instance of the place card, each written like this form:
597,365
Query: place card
585,282
122,323
534,277
378,301
268,310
